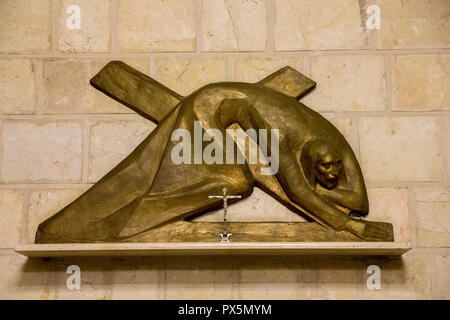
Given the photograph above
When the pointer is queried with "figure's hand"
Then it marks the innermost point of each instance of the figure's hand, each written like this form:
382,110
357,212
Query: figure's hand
320,190
369,230
323,192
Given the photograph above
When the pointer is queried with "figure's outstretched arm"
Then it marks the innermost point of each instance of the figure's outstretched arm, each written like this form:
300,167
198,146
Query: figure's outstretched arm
302,193
357,203
297,188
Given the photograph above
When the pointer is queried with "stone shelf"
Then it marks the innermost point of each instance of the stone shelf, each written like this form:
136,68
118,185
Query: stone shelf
210,249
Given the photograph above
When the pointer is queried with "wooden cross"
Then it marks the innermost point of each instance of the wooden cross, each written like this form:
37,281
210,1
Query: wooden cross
154,101
225,235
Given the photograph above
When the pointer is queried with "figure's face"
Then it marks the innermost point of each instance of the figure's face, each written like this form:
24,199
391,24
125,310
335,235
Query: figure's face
328,168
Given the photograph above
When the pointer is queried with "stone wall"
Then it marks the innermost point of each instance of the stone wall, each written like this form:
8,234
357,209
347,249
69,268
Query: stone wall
387,90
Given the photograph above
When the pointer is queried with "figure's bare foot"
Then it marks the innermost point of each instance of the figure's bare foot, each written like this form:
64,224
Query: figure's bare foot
370,230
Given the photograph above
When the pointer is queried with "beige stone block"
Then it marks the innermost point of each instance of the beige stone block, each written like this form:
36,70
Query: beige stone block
187,75
23,278
407,277
441,280
390,205
319,25
111,141
67,88
18,86
43,203
336,279
275,279
400,149
94,34
154,25
11,213
41,151
447,133
94,282
25,26
253,69
422,82
198,278
344,125
348,83
432,217
414,24
259,206
234,25
136,278
432,194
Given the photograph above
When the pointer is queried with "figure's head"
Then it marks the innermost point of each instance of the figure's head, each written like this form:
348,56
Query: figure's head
322,163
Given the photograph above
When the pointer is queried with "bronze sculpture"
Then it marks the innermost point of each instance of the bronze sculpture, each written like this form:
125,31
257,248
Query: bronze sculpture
149,198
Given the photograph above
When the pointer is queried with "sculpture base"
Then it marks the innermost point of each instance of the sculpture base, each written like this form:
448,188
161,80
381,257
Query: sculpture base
186,231
183,231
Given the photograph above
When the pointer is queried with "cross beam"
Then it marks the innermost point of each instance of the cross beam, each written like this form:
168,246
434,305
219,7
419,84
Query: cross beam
154,101
290,82
136,90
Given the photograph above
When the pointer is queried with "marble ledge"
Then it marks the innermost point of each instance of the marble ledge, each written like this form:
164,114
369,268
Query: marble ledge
210,249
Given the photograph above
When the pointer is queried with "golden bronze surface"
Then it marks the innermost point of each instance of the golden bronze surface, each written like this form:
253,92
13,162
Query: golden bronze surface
149,198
